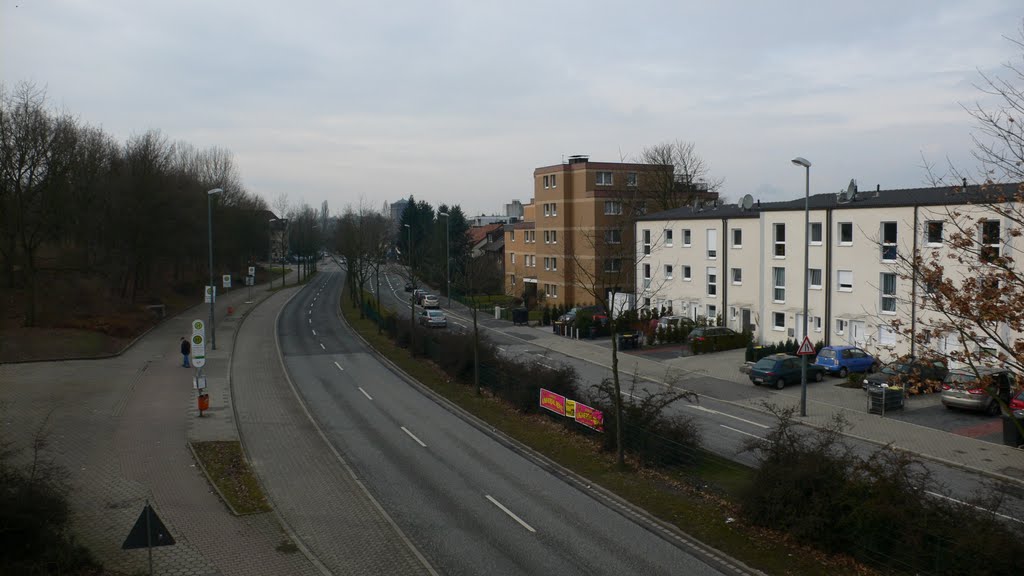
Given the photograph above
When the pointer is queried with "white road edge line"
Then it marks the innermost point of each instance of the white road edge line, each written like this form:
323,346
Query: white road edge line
742,432
727,415
314,332
413,436
322,347
339,366
937,495
365,394
545,365
509,512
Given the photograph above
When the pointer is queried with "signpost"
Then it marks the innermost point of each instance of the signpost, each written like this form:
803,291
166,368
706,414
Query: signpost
148,532
806,348
226,281
198,344
211,294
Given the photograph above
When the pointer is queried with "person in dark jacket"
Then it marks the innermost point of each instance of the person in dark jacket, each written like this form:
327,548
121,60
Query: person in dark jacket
186,349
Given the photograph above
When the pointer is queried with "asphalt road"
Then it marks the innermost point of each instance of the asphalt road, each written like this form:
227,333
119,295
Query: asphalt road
726,427
467,502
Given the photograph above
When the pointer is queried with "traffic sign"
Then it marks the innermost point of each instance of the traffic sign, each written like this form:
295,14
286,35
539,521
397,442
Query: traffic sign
252,270
148,531
227,280
199,382
198,349
250,280
211,294
806,348
198,327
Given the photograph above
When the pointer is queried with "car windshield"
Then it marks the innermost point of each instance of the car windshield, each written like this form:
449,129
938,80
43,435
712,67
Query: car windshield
435,314
765,364
826,353
960,377
897,368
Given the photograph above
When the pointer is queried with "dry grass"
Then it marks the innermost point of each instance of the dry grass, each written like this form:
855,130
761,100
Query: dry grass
226,467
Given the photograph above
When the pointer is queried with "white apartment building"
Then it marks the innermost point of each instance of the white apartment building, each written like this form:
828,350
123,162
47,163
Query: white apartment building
748,265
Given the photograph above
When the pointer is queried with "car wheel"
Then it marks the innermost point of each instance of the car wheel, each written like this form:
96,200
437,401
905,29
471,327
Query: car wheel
780,383
818,376
843,372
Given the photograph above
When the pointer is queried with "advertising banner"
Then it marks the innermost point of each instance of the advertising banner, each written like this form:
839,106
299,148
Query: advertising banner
589,417
551,401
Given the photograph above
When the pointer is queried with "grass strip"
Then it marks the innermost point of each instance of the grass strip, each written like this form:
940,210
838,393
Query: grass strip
675,497
226,467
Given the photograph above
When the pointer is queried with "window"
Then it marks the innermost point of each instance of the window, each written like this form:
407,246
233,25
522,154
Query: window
686,238
547,263
554,184
712,311
886,336
647,241
779,282
513,260
686,273
888,241
778,321
647,275
845,280
846,233
668,271
554,205
737,238
989,240
513,279
816,322
512,235
780,240
641,207
545,183
554,263
612,208
554,236
712,243
630,178
933,232
547,209
737,276
554,288
840,326
612,264
815,234
712,282
547,237
668,237
888,293
604,178
733,313
612,236
814,278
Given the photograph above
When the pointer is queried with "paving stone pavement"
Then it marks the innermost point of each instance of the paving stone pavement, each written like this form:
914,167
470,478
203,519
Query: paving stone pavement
313,490
119,426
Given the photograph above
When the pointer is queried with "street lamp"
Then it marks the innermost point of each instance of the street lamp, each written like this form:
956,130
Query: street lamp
213,289
807,230
270,250
284,232
412,296
448,254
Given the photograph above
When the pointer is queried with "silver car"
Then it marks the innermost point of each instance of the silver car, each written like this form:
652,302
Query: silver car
430,301
962,388
433,319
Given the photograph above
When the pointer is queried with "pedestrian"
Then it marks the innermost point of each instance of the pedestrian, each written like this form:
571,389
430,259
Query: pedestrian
186,349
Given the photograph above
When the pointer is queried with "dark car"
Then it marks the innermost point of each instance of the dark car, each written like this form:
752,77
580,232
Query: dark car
982,390
780,369
709,336
842,360
408,286
908,372
569,318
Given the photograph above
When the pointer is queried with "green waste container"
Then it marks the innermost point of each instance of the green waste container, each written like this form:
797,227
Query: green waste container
1011,430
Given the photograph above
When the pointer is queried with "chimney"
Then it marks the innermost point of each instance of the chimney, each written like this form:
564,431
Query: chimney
878,190
965,184
759,205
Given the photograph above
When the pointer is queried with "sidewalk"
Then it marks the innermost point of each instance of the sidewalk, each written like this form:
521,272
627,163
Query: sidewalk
823,404
119,427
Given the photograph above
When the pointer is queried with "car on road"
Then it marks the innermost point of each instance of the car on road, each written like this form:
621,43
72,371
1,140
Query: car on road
418,295
842,360
981,391
907,372
430,301
433,319
569,318
408,287
780,369
710,336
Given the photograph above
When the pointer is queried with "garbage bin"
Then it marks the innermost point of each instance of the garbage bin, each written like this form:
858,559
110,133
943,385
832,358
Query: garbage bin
520,316
882,399
1011,432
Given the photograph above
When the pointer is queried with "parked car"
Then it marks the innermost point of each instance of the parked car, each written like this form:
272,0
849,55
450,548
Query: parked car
665,321
430,301
842,360
780,369
970,390
1017,402
907,371
710,335
408,286
433,319
569,318
418,294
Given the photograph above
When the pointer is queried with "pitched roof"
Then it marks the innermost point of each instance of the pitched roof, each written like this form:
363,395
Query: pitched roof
479,233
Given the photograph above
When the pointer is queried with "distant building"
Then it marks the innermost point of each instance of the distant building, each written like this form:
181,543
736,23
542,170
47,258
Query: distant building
514,211
487,220
397,208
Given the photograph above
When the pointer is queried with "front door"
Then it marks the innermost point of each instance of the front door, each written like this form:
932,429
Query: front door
858,332
745,314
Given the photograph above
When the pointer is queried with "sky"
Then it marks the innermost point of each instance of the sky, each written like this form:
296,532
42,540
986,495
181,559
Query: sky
458,102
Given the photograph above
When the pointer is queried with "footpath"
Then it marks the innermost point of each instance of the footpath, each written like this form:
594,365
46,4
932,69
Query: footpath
121,427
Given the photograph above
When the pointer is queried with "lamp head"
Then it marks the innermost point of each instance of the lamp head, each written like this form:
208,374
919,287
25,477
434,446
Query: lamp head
214,191
445,214
801,162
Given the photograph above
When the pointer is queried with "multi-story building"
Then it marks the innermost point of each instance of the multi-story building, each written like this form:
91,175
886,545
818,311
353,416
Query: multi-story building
576,235
747,266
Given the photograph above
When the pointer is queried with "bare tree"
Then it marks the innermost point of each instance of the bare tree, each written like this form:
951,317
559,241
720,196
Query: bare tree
677,175
471,281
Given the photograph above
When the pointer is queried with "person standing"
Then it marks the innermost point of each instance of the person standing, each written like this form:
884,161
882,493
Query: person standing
186,349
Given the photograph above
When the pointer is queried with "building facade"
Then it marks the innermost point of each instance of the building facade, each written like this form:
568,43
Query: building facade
747,266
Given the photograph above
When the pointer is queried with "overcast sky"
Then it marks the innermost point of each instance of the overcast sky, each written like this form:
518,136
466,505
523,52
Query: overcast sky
458,102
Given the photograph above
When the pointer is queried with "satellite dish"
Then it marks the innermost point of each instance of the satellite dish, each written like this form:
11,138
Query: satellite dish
851,190
747,201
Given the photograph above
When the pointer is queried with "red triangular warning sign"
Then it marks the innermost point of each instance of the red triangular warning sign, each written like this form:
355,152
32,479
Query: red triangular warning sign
148,531
806,348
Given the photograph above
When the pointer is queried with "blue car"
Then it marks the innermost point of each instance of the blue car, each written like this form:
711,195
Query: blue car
842,360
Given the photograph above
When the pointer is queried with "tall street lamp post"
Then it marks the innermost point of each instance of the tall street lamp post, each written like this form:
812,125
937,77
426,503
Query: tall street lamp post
807,231
448,254
213,289
284,232
412,296
270,250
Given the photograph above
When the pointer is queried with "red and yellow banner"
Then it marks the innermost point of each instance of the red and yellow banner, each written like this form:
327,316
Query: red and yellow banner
590,417
552,401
